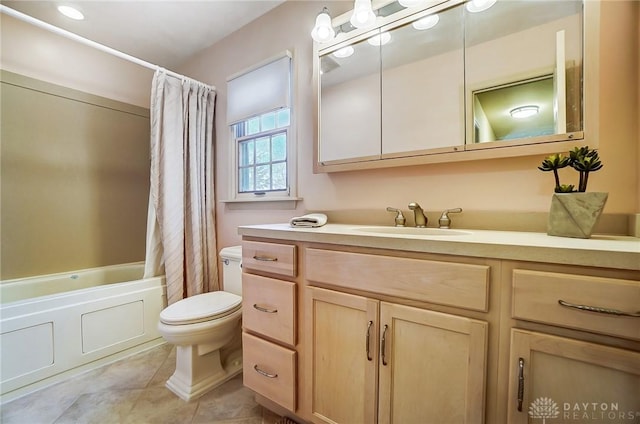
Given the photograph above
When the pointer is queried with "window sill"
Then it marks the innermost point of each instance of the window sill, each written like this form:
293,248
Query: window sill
263,203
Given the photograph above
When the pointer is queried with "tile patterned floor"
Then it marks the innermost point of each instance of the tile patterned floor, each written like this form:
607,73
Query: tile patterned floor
132,391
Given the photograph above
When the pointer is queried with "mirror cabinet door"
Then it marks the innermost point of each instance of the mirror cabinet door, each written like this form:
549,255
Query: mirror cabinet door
422,85
349,118
523,71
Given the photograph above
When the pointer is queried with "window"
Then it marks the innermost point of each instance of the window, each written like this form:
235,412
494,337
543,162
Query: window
259,115
261,144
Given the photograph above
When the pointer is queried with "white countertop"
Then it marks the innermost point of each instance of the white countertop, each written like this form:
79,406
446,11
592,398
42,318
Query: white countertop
599,251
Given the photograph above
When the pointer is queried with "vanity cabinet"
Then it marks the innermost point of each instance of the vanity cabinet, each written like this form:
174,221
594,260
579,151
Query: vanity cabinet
373,360
578,362
269,321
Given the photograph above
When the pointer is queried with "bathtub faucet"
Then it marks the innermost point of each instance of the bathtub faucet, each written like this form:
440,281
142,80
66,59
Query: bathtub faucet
420,217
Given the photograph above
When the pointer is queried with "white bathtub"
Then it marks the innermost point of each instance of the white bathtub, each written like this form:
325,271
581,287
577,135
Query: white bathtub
57,325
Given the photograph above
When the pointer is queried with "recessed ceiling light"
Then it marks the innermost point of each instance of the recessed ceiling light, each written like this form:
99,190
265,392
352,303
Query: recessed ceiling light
524,111
71,12
380,39
426,22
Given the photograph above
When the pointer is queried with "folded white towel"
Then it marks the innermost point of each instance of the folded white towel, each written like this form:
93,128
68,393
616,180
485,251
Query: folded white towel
309,221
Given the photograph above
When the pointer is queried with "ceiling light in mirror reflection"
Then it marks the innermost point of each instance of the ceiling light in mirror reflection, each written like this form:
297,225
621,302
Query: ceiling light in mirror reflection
524,111
344,52
427,22
476,6
411,3
71,12
380,39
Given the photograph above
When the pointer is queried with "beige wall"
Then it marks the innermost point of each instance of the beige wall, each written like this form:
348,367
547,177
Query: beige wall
74,171
503,185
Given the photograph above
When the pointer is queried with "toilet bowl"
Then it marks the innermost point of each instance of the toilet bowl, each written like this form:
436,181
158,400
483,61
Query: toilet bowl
206,330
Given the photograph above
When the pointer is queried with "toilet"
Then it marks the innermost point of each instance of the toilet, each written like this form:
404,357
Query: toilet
206,330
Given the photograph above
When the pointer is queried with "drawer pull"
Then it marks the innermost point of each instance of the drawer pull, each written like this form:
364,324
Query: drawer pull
264,258
384,344
264,373
520,383
261,309
369,358
598,309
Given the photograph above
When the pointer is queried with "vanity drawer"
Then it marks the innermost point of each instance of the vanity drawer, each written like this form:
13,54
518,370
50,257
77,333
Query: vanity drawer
269,370
269,307
537,296
269,257
446,283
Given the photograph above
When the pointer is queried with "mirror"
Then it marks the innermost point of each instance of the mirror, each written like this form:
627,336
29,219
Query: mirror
350,105
523,70
422,84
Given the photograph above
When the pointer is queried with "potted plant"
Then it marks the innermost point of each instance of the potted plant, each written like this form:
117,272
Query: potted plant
574,212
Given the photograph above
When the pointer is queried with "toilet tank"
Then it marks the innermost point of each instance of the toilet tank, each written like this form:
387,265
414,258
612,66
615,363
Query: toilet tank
231,258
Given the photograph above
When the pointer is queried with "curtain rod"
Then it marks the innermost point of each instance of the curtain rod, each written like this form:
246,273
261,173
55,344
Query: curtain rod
63,32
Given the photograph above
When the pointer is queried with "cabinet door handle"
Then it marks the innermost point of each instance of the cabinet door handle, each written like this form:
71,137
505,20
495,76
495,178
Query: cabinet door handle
599,309
369,358
262,309
264,258
264,373
520,383
383,345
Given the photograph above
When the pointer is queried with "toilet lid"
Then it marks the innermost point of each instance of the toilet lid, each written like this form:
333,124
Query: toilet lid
202,307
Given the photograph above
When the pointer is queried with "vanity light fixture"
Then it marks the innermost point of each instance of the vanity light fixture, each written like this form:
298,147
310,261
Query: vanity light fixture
427,22
380,39
323,31
363,16
411,3
524,111
344,52
476,6
71,12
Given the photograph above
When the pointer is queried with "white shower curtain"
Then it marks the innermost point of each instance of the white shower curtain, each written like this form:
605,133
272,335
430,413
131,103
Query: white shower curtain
181,239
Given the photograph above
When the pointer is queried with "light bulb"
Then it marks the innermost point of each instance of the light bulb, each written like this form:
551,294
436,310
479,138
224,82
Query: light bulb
410,3
323,30
363,16
426,22
476,6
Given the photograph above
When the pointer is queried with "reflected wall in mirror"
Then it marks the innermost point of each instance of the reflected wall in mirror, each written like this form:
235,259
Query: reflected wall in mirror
349,118
422,85
524,53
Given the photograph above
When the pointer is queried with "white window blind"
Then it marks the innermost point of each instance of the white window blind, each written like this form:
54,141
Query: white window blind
263,89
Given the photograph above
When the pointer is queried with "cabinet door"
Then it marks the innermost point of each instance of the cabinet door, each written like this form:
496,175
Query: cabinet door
571,381
432,367
342,334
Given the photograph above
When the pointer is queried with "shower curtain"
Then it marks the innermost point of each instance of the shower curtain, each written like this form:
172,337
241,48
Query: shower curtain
181,241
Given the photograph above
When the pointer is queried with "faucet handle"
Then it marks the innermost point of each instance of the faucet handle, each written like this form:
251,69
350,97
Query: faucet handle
445,221
400,219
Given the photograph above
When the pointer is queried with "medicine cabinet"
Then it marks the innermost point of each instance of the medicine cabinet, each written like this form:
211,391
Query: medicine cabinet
446,82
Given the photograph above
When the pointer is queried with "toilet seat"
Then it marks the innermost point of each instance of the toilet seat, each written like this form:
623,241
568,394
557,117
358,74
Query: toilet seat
201,308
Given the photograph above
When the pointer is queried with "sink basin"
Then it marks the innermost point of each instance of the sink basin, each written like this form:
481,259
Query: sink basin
412,231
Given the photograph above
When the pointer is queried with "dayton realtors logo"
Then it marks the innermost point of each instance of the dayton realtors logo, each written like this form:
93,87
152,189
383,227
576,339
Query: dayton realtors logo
546,408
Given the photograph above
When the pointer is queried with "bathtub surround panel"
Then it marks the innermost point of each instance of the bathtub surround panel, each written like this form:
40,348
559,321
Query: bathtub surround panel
47,337
74,179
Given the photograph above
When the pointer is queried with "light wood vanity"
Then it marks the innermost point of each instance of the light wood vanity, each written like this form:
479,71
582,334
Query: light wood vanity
345,326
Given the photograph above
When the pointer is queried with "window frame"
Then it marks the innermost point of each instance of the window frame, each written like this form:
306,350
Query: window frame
289,195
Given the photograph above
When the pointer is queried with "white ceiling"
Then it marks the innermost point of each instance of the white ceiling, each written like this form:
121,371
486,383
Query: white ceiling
163,32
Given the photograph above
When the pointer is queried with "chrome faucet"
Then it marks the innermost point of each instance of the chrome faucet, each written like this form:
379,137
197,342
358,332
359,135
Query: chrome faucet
421,218
400,219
